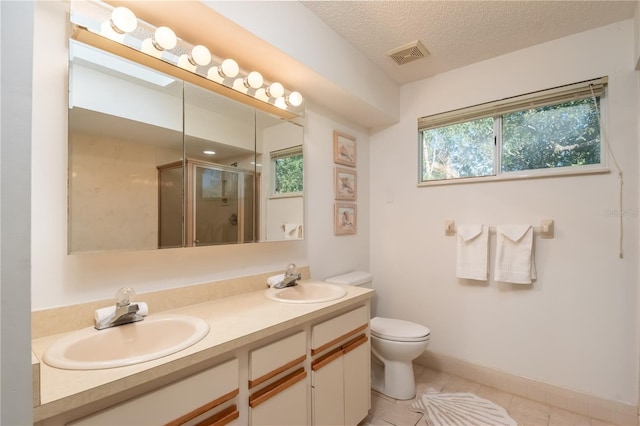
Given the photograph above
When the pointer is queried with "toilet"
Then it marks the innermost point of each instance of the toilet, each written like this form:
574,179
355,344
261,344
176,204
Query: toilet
395,343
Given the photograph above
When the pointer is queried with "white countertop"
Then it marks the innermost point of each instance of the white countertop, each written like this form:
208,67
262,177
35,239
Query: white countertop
234,322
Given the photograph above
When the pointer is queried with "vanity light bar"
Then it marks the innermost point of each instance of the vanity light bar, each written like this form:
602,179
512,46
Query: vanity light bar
120,24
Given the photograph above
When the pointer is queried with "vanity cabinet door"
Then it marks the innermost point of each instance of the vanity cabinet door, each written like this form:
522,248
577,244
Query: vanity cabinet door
278,382
341,369
327,389
204,398
282,403
357,380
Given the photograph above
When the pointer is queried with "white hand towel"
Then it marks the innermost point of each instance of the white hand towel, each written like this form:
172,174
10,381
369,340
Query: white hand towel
103,313
514,254
275,279
292,231
473,244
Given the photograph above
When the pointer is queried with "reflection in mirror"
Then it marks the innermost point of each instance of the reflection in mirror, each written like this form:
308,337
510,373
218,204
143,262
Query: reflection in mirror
142,168
220,146
124,121
281,178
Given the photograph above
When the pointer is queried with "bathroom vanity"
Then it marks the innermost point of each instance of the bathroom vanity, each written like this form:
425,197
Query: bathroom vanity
262,362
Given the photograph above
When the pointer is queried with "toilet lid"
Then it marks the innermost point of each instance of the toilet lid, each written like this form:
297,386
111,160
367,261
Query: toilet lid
398,330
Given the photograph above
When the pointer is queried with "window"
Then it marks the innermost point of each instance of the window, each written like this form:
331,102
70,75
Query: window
551,132
287,166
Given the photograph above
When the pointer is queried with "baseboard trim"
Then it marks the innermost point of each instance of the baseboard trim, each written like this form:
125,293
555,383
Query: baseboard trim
614,412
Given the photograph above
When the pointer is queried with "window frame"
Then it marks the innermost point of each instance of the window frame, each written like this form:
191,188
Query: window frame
274,156
496,109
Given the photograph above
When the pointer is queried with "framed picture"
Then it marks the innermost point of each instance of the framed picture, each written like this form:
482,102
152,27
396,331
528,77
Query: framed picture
345,219
344,149
345,181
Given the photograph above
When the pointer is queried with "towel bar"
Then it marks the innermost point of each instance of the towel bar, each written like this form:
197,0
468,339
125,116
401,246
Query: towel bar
545,230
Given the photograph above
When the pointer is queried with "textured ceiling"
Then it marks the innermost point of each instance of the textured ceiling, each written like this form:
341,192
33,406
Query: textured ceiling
459,33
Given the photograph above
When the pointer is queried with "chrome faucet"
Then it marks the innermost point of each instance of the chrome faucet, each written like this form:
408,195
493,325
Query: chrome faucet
291,277
125,312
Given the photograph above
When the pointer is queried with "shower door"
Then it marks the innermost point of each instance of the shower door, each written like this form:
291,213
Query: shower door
220,206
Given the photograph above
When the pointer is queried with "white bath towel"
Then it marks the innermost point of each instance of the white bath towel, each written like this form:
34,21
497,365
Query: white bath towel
473,244
514,254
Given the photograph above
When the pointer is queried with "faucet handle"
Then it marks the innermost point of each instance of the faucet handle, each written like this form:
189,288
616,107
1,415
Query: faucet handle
291,270
125,296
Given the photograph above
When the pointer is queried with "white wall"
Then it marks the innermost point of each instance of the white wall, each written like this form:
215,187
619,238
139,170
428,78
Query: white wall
314,56
636,20
15,111
60,279
576,326
330,254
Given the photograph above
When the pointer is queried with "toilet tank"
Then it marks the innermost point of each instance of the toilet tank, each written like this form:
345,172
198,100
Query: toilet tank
359,278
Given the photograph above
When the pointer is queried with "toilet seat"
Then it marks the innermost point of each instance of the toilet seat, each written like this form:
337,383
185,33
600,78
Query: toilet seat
398,330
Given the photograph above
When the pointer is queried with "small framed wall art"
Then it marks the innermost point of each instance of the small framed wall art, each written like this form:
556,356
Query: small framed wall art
345,219
346,184
344,149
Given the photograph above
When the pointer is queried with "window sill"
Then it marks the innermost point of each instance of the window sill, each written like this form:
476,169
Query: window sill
529,174
290,195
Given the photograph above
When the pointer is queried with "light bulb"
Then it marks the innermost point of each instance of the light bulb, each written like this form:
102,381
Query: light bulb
275,90
262,95
214,75
254,80
185,62
229,68
280,103
123,20
200,55
165,39
294,99
148,47
238,84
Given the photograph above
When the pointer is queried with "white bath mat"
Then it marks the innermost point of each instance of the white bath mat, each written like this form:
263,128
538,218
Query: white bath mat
461,409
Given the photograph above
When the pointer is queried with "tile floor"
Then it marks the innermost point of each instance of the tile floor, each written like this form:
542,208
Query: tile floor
387,411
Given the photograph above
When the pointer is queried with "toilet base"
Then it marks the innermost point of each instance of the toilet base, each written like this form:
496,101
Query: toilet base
393,379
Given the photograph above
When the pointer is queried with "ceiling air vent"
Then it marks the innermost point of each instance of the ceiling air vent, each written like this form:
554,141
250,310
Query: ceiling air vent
408,53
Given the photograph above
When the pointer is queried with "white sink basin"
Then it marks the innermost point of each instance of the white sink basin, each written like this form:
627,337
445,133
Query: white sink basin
307,292
154,337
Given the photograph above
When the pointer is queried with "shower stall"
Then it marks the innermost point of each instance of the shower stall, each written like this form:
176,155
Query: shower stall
220,205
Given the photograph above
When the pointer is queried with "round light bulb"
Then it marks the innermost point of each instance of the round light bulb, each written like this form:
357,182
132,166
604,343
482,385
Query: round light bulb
254,80
294,99
275,90
165,39
261,94
229,68
200,55
123,20
280,103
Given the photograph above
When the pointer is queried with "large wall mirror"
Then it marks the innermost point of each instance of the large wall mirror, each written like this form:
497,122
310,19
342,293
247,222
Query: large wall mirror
156,162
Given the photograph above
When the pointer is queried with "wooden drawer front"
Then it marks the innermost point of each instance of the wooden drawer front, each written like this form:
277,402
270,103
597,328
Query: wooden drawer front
210,414
344,349
224,417
282,403
270,360
174,402
332,331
